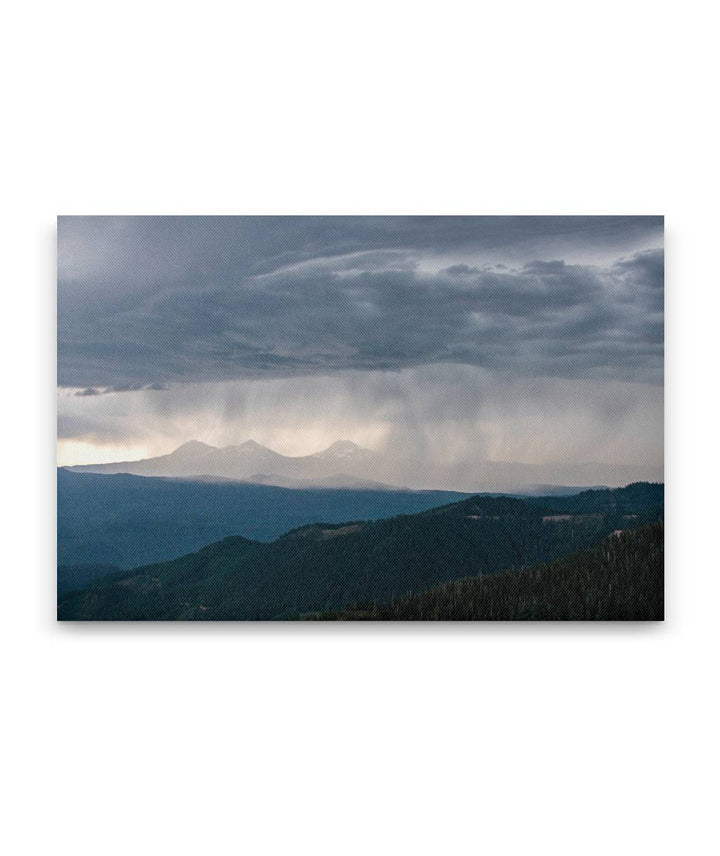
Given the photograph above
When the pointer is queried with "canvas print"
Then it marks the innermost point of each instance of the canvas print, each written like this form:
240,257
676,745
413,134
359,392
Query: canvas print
360,418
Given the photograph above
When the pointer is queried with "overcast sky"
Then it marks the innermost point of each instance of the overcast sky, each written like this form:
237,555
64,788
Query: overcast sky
533,339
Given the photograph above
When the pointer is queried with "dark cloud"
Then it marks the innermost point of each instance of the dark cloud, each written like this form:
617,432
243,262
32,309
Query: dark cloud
146,302
136,387
141,251
122,387
460,270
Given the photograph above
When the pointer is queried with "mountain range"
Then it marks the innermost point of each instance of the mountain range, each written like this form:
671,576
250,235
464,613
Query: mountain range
345,464
325,566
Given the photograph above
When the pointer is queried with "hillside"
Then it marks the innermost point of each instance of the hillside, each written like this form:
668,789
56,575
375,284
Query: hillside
640,497
325,566
71,577
620,580
127,521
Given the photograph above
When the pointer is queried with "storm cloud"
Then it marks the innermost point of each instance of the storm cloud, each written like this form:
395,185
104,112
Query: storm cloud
444,342
148,303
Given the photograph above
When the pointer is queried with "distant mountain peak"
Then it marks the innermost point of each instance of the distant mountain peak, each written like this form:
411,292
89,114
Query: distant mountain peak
342,445
251,444
194,446
342,449
247,450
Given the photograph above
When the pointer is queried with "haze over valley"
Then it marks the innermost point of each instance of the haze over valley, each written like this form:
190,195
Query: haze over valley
345,464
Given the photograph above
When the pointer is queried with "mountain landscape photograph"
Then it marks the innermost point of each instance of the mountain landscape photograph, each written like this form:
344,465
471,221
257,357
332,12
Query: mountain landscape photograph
360,418
353,358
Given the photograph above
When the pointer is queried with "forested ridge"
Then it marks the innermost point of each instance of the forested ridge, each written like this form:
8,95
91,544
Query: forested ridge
322,567
129,521
620,580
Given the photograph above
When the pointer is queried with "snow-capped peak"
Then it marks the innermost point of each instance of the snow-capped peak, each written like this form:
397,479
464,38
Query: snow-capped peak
342,449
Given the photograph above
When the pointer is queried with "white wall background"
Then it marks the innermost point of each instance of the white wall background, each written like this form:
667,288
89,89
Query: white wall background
342,739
